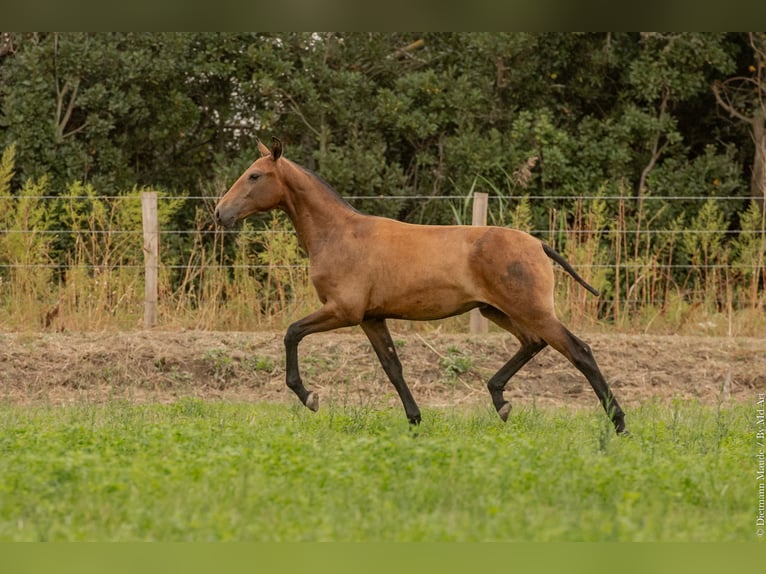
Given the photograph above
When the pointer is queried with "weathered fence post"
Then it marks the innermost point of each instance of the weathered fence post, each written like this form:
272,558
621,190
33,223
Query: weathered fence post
151,255
478,323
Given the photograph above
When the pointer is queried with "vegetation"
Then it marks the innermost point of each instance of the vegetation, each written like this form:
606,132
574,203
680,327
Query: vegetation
396,113
205,471
640,156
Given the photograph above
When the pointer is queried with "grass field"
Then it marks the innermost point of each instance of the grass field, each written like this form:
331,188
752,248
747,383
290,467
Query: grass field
199,470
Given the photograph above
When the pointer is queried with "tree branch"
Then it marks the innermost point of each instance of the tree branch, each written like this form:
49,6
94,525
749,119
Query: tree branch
726,105
297,111
657,149
70,105
61,94
61,122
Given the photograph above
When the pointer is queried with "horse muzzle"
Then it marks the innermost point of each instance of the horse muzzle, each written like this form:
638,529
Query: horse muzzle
225,217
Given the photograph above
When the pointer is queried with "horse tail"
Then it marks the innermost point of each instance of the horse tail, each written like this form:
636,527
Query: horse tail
557,257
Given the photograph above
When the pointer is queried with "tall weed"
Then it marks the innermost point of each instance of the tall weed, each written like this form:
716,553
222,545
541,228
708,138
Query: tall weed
253,278
76,261
25,244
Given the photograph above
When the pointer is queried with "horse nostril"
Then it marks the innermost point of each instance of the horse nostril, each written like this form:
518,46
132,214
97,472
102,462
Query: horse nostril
218,215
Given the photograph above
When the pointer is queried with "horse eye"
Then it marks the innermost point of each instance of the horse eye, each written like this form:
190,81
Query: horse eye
254,176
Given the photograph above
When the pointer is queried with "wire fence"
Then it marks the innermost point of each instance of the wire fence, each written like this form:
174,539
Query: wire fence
635,261
542,232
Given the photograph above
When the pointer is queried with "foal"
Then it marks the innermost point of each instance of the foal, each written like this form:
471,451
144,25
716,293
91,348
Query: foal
367,269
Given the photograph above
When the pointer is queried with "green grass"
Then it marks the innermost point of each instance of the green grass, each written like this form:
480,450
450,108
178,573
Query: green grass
199,471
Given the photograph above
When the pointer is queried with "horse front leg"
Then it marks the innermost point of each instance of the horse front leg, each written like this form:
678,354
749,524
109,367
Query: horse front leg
380,337
325,319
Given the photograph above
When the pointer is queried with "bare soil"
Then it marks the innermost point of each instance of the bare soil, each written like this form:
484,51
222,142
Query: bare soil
441,369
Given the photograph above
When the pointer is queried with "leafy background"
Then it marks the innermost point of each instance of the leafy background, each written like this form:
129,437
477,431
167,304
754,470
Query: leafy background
613,134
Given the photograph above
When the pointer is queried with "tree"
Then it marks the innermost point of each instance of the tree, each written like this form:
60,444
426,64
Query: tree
117,110
419,115
744,97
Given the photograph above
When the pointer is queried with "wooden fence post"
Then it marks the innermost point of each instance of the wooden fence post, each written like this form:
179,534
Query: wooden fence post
478,323
151,256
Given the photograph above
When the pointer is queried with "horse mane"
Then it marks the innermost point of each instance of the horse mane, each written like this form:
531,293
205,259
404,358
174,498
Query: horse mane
333,192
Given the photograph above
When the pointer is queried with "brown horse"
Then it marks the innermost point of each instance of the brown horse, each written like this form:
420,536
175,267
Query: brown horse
367,269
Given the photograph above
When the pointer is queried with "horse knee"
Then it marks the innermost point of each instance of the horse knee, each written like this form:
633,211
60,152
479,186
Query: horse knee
293,336
582,352
577,351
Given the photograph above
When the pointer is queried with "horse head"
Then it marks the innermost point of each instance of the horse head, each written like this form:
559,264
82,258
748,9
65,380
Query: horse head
259,188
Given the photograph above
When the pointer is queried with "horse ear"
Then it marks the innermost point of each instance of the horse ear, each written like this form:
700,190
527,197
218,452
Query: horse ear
263,149
276,148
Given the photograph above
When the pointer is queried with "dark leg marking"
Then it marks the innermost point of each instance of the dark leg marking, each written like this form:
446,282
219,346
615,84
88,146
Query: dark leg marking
497,383
322,320
581,356
380,338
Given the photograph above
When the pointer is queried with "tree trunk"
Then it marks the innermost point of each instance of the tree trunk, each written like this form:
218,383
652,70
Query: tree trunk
758,179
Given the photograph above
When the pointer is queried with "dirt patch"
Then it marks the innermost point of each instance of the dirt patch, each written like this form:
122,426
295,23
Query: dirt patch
441,369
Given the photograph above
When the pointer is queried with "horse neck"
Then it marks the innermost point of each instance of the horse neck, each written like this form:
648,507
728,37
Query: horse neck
315,210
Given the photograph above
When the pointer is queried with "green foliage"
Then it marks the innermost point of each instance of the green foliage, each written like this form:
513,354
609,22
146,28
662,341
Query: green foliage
373,113
7,164
206,471
103,251
91,266
750,250
676,62
455,363
25,273
704,237
117,110
220,365
285,267
521,215
544,116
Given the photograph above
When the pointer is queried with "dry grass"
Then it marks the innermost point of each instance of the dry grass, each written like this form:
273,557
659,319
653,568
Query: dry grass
74,263
161,366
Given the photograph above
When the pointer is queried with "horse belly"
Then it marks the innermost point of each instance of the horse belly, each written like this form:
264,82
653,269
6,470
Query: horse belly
430,297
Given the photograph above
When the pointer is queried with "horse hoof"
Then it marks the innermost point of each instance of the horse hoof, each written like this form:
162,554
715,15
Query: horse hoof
504,411
312,401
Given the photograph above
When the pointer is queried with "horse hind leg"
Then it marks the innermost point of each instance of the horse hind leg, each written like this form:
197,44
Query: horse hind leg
530,346
583,359
499,380
580,355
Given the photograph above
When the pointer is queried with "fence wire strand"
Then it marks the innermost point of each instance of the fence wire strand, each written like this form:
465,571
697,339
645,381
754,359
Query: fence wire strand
210,230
